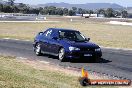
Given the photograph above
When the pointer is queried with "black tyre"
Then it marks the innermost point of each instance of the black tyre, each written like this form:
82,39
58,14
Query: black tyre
84,82
38,49
97,59
61,55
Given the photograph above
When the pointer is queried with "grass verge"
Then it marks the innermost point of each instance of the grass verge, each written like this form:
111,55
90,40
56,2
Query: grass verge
14,74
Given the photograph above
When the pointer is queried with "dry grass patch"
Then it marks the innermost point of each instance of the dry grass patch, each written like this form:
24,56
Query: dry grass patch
15,74
102,34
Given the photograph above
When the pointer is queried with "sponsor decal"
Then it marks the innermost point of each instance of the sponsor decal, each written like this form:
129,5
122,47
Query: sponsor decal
86,81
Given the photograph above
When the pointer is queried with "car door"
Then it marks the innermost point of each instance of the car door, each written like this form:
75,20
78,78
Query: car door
54,43
45,41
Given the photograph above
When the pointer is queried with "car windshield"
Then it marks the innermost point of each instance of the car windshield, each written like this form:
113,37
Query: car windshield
72,36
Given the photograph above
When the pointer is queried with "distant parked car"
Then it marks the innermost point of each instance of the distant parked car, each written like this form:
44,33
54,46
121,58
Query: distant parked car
66,44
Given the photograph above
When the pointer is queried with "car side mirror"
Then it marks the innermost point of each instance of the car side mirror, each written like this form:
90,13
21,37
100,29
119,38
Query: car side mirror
55,38
87,39
40,33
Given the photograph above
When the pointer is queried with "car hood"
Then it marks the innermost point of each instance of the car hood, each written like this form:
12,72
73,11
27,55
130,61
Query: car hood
82,44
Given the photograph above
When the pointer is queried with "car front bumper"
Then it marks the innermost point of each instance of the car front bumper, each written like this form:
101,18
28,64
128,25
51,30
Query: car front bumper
81,54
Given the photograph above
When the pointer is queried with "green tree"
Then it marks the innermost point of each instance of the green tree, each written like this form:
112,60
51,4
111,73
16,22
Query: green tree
21,5
109,12
124,14
11,2
40,10
15,9
84,11
23,8
74,8
7,9
45,11
80,11
59,11
65,11
90,12
1,7
71,13
51,10
117,13
101,11
33,11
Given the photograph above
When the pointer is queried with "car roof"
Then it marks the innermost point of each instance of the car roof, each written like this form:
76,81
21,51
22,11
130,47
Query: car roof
62,29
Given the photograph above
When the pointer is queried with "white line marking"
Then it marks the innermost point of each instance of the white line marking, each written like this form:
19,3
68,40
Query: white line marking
120,23
45,62
29,21
6,38
116,48
14,39
26,40
21,58
68,67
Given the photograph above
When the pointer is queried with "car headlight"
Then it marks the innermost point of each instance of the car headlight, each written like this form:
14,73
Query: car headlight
73,48
99,49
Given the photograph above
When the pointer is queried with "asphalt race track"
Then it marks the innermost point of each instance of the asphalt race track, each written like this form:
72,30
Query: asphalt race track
117,63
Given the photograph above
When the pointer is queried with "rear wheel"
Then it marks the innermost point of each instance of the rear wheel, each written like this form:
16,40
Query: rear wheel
61,55
38,49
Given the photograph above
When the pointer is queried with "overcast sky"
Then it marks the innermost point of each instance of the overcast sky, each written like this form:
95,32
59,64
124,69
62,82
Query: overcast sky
34,2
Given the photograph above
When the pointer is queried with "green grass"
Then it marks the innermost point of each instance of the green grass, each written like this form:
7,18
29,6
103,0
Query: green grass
100,33
14,74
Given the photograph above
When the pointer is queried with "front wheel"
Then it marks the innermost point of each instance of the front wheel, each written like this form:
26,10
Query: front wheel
97,59
38,49
61,55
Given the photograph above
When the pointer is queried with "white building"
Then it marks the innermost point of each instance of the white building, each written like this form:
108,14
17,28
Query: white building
92,15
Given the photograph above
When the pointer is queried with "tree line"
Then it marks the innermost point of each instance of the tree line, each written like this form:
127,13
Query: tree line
52,10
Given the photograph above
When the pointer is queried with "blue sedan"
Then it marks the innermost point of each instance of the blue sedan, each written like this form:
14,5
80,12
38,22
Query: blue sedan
66,44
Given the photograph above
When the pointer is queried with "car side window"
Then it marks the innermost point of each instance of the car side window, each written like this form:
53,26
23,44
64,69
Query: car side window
48,33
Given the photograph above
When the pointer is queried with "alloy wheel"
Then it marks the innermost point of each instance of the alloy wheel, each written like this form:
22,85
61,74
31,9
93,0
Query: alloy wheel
61,54
38,49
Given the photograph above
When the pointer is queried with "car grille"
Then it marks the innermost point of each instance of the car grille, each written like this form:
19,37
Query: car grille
87,49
